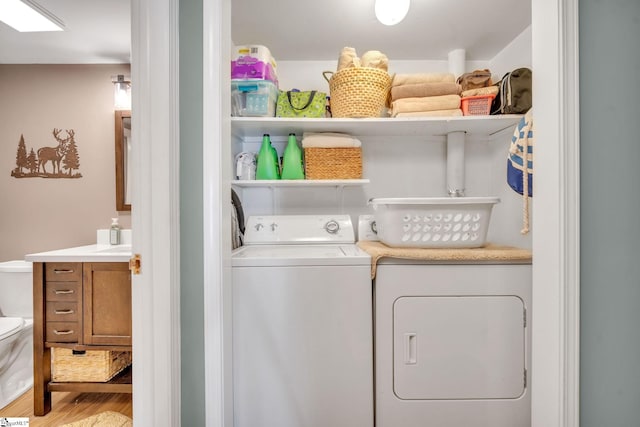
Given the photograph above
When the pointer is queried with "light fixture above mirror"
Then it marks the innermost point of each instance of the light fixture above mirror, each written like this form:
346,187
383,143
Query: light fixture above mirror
122,92
391,12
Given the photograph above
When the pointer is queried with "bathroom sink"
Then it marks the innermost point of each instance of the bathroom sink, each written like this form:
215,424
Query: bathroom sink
116,249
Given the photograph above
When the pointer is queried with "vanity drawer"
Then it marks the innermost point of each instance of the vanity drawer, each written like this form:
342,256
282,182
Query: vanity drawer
63,271
62,331
63,291
62,311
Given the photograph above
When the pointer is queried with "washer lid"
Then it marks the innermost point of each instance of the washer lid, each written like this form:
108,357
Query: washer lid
295,255
10,326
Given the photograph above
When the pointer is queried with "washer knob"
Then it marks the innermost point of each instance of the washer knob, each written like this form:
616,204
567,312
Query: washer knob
332,227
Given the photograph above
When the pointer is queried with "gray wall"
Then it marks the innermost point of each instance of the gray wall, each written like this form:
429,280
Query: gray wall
610,208
191,222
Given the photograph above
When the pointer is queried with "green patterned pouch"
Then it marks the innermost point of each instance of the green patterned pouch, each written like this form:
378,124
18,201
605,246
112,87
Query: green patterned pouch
301,104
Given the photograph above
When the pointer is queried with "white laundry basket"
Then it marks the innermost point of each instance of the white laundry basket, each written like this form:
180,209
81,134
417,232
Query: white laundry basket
433,222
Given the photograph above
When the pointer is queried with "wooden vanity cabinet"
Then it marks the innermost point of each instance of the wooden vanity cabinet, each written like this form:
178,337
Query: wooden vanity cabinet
106,308
63,296
82,306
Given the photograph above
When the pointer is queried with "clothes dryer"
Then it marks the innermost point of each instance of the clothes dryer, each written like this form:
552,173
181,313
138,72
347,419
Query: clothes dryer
302,324
452,344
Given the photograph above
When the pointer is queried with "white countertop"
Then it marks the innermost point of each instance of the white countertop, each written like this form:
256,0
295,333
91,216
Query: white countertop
89,253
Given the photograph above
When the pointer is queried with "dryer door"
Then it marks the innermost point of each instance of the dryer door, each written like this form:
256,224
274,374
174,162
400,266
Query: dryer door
459,347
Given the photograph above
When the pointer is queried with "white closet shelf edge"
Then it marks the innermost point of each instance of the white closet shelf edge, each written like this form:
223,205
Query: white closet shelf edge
480,126
300,183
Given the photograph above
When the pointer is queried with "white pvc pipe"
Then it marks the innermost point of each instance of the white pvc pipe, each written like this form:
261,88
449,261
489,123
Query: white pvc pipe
455,164
457,62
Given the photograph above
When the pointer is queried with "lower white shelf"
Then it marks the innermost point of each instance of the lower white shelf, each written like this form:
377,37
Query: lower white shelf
300,183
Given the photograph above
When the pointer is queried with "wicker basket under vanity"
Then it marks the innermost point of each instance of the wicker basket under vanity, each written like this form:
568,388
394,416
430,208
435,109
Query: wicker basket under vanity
87,366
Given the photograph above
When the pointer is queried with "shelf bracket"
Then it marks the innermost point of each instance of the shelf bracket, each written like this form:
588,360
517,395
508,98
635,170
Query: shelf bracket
455,164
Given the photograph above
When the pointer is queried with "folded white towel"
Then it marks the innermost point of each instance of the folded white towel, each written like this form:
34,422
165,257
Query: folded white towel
436,113
348,58
329,140
489,90
405,79
428,103
375,59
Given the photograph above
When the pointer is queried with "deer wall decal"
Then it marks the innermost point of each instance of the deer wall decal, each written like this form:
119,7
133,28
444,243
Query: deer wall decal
54,154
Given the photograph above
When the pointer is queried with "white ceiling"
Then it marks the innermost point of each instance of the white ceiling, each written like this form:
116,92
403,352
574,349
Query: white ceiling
431,29
98,31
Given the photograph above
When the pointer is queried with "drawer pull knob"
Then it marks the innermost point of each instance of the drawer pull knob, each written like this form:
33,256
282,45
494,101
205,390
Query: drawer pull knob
67,311
63,291
62,271
57,332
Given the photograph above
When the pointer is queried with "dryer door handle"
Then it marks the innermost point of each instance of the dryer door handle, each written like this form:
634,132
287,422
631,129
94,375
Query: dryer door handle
410,348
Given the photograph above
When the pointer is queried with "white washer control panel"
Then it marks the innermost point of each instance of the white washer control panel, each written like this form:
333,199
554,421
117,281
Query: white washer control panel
367,229
298,229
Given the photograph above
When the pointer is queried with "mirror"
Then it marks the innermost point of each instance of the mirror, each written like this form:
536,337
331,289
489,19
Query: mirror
123,149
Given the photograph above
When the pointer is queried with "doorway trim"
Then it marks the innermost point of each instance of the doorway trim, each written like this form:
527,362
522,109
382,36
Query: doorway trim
155,212
556,212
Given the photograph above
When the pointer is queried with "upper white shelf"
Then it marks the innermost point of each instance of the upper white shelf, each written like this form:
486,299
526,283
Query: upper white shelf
338,183
480,126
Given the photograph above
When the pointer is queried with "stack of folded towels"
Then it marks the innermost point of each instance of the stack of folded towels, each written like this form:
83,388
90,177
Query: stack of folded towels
329,140
425,94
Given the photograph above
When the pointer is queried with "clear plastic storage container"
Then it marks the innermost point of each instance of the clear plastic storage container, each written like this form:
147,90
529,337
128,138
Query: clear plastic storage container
253,98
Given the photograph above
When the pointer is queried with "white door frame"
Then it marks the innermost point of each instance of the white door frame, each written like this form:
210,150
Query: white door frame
555,331
556,238
217,173
155,212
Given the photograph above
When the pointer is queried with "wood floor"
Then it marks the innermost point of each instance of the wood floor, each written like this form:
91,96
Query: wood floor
69,407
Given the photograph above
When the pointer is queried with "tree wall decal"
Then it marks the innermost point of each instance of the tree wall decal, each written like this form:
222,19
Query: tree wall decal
21,157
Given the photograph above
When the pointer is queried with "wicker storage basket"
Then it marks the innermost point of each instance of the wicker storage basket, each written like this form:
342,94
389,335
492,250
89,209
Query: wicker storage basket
333,163
358,91
90,366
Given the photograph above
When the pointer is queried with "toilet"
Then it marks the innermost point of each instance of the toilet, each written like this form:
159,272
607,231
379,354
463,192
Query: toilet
16,330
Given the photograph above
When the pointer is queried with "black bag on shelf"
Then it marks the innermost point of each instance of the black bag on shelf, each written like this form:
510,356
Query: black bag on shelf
514,93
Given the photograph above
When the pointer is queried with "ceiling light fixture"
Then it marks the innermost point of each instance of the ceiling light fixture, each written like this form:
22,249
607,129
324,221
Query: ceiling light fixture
28,16
390,12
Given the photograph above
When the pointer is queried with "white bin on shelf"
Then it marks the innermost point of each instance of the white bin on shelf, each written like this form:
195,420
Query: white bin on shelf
433,222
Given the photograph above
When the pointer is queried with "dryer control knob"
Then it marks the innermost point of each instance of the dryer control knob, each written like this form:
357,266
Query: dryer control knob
332,227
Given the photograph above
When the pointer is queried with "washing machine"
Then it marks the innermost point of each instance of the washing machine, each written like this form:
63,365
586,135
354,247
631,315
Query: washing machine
302,324
452,341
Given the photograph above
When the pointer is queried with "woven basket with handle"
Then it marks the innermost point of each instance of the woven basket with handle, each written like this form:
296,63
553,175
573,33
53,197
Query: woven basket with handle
358,91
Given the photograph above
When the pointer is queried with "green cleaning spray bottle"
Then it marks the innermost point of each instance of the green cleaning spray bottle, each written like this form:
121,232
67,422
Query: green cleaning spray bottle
292,160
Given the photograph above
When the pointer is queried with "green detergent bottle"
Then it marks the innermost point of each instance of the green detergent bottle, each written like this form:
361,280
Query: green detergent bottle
276,158
292,161
267,161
